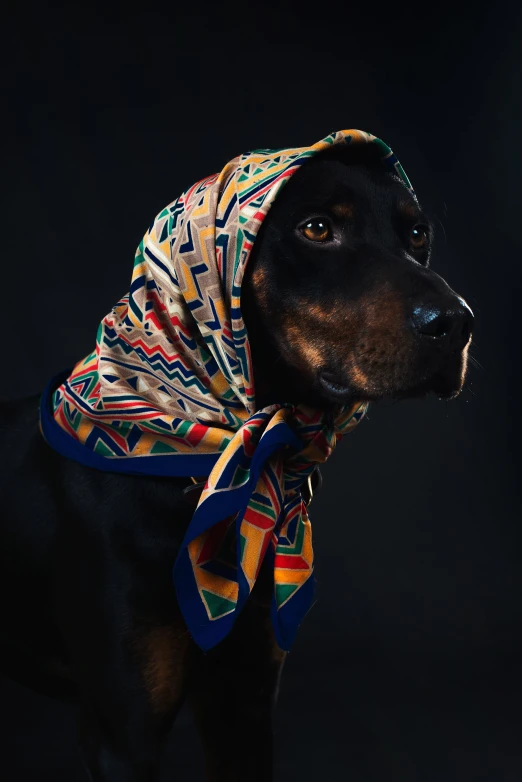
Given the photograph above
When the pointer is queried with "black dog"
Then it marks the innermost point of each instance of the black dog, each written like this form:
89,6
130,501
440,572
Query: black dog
339,303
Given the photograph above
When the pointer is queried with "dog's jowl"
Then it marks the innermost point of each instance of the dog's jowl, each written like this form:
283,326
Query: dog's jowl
156,543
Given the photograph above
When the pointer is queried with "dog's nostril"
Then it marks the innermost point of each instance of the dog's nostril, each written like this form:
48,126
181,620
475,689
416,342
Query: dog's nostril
432,322
454,325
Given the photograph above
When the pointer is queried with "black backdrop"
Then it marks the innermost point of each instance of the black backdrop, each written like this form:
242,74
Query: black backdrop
408,666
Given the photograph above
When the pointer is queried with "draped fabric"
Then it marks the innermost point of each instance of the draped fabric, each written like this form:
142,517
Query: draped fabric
169,390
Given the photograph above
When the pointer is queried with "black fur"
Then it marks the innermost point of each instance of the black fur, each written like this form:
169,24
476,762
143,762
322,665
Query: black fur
89,610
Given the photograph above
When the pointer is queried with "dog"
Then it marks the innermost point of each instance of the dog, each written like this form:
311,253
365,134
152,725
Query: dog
340,304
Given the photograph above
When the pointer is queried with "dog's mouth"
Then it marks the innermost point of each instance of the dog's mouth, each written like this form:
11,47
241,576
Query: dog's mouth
446,384
334,388
438,385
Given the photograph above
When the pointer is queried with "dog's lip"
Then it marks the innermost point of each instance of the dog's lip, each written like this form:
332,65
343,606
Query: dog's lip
445,387
331,384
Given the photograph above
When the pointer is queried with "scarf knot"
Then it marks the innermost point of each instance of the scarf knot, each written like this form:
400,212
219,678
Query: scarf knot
255,489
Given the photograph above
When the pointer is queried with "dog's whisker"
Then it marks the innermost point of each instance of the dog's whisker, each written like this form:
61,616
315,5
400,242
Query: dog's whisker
475,362
443,229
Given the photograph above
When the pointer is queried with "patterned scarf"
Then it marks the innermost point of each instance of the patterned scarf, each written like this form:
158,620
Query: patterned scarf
169,390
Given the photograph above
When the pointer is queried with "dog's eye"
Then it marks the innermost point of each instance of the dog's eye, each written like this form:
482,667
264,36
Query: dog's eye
419,237
317,229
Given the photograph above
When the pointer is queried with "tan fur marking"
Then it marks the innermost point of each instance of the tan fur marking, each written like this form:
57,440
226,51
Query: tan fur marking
163,654
312,354
359,377
344,210
259,280
319,312
409,209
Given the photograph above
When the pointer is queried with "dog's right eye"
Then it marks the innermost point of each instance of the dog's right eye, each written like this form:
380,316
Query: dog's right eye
419,237
317,229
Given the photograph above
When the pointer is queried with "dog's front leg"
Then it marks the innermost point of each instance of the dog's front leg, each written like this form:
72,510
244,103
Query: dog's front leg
131,664
131,690
233,695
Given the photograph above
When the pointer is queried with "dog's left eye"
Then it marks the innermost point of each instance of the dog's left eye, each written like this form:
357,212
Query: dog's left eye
317,229
419,237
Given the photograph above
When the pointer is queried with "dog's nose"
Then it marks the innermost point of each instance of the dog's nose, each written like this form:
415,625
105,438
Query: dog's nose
452,324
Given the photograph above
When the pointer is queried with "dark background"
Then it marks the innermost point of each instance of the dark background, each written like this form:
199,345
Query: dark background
409,665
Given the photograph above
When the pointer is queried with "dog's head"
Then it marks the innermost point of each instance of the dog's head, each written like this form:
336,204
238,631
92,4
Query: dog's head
339,298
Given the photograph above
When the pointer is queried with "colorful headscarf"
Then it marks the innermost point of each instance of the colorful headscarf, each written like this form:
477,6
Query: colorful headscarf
169,390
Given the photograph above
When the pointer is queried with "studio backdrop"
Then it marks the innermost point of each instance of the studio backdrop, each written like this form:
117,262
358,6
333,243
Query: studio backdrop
408,665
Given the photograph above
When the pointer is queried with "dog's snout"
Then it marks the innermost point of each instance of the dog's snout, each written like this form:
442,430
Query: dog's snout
452,324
